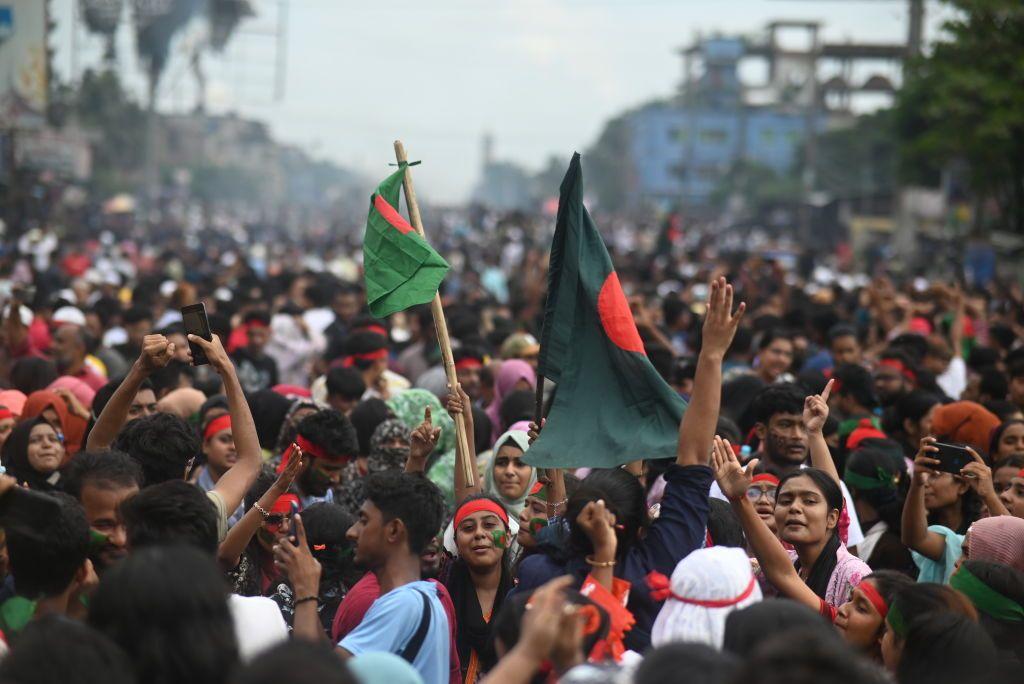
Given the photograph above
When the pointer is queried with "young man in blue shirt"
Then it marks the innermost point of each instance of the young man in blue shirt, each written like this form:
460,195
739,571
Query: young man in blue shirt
400,516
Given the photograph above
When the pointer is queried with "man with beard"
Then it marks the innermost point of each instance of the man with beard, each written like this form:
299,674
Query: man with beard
70,347
101,480
328,442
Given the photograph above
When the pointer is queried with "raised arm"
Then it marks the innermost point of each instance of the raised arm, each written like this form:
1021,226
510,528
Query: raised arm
775,563
233,485
422,441
697,429
815,415
458,402
914,528
303,572
241,534
157,352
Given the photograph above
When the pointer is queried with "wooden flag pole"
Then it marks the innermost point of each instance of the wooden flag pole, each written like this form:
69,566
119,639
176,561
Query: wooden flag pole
461,438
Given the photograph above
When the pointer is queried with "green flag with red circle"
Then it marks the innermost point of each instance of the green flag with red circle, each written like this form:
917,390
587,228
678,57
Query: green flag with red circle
611,406
400,269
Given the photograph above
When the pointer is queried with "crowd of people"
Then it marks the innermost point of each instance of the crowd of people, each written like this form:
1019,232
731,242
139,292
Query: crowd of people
846,502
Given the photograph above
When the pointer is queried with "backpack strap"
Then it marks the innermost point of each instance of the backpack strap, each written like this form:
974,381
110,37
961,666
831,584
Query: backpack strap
412,649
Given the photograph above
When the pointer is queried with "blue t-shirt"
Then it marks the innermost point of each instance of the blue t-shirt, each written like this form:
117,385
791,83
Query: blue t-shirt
392,621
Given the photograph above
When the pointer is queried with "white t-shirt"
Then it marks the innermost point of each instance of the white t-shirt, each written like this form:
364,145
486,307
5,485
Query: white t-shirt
258,624
954,381
854,535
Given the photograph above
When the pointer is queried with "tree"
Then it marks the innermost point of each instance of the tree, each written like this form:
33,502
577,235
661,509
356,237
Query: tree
965,102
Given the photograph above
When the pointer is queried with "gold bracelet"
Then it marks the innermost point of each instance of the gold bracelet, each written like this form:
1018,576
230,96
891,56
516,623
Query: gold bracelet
598,564
262,511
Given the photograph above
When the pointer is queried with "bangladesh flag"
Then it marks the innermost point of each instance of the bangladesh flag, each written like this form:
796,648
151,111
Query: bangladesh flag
611,406
400,268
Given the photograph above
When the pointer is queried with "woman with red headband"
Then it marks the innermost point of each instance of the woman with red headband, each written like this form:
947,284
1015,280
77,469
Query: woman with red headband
219,454
860,618
249,547
478,578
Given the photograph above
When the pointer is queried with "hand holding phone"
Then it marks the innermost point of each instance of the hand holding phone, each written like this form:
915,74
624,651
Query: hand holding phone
952,458
196,323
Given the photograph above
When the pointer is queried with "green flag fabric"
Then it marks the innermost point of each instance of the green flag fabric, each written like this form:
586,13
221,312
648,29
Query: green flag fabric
400,268
611,406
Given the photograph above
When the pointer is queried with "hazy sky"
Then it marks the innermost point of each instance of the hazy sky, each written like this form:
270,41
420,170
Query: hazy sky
541,75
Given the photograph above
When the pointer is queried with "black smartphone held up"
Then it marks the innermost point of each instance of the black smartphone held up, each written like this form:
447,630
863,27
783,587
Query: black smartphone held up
952,457
196,323
294,538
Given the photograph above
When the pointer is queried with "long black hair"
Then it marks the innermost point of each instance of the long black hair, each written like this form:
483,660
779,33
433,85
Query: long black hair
997,435
622,494
877,474
821,571
167,607
473,631
15,456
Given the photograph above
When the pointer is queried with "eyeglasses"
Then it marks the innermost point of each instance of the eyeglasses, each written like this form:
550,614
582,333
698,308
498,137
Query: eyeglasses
755,493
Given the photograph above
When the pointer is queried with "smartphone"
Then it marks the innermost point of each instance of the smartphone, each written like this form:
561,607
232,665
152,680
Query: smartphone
196,323
952,457
293,538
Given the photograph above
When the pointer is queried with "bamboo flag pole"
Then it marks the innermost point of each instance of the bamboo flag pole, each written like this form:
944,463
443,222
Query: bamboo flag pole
461,438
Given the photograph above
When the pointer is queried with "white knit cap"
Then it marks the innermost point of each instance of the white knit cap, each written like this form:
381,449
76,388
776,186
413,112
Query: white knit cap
719,573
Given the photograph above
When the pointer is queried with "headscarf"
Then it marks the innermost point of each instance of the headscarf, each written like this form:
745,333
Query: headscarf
511,372
513,506
184,402
82,392
998,540
382,457
705,587
72,427
473,631
14,400
15,457
408,407
965,422
383,668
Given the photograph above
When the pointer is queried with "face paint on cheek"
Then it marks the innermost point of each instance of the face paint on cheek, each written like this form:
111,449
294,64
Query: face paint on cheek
536,525
500,538
97,540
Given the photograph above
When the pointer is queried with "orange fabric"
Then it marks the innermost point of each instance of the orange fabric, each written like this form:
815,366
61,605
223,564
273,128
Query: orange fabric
965,422
72,426
621,620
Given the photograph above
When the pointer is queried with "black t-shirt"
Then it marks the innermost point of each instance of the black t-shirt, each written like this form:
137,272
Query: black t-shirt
255,373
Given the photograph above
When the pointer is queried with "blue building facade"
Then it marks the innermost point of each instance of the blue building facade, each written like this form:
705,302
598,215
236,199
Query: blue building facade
680,150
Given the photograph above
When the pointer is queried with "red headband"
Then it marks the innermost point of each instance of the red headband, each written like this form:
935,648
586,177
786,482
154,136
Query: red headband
872,595
661,589
1020,473
283,505
379,329
256,324
898,365
477,505
216,425
5,413
765,477
468,363
377,355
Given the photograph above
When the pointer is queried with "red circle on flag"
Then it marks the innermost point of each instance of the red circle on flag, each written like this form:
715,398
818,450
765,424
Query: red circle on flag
616,318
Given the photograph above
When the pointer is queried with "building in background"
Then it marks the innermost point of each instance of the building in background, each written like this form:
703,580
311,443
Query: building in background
681,149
